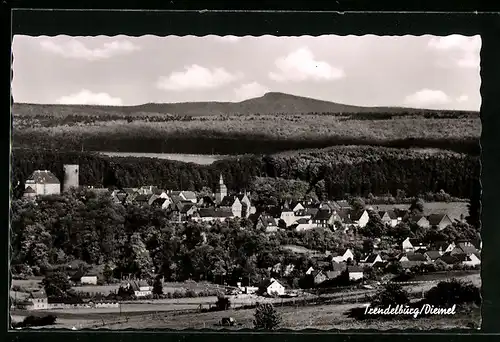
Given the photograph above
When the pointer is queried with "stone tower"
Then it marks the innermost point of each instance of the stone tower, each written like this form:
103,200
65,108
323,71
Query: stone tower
221,191
71,177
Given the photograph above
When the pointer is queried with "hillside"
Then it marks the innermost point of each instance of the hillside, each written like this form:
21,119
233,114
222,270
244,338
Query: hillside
270,103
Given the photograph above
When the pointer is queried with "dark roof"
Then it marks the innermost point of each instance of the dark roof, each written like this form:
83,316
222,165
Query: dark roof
449,259
311,211
157,191
142,198
37,294
467,249
159,201
302,221
267,220
316,272
337,266
241,196
343,204
433,254
211,212
410,264
189,195
29,190
43,177
380,264
354,269
206,200
435,219
129,190
228,201
415,257
381,213
371,258
392,214
416,242
357,216
186,207
440,244
323,215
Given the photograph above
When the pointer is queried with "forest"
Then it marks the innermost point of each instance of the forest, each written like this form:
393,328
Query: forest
332,172
232,134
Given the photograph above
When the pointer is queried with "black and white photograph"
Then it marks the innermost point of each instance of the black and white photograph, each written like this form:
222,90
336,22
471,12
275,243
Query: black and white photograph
245,182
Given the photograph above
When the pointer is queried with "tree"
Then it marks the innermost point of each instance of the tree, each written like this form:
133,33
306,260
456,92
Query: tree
392,294
358,205
368,246
223,303
158,286
266,317
454,291
56,285
140,262
417,206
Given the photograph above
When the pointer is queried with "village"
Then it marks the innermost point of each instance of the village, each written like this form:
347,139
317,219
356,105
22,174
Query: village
299,216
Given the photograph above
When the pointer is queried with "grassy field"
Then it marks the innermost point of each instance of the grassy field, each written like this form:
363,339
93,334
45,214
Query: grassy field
187,158
453,209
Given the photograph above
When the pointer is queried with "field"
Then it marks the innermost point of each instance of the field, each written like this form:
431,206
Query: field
187,158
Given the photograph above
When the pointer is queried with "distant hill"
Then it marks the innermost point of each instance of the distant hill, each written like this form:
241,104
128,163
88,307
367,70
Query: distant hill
270,103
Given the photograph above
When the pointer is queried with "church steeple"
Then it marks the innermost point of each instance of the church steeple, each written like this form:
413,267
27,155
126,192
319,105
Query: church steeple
221,180
221,190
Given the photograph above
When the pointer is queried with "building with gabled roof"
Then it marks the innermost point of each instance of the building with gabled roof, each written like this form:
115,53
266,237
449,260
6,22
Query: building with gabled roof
43,182
439,220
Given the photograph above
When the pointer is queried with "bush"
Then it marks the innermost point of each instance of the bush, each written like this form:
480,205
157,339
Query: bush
223,303
392,294
177,294
448,293
266,317
32,321
191,294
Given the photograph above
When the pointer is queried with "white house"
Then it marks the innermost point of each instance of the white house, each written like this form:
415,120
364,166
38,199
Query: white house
141,288
361,219
355,272
472,260
304,224
272,287
372,259
89,279
310,270
43,182
288,216
344,257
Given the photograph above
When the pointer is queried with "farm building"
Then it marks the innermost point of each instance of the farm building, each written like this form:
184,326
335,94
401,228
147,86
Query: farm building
140,287
361,219
35,301
232,203
344,257
267,223
272,287
318,277
412,245
42,182
371,259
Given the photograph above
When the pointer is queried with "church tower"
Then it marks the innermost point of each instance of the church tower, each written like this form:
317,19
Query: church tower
221,191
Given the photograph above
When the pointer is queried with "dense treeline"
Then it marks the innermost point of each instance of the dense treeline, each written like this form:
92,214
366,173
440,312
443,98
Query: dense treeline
216,143
334,172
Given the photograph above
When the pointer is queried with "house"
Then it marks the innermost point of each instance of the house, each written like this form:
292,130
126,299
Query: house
443,247
410,259
188,209
465,247
304,224
389,218
344,257
36,300
233,203
380,264
360,219
42,182
310,270
441,221
412,245
211,214
188,196
324,218
272,287
450,260
355,273
288,216
141,199
469,259
342,205
267,223
337,269
163,203
29,192
140,287
89,279
206,202
420,220
318,277
433,255
371,259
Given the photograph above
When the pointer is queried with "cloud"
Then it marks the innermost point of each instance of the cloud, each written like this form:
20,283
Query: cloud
227,39
462,98
250,90
86,97
468,49
197,77
427,98
300,65
77,50
456,42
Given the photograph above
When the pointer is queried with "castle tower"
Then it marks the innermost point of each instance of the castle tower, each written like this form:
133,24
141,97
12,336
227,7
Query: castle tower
221,191
71,177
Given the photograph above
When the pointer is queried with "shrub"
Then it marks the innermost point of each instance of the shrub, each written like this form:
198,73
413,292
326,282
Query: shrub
32,321
266,317
454,291
223,303
169,295
392,294
177,294
191,294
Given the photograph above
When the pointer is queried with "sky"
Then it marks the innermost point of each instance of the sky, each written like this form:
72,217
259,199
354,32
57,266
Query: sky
408,71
